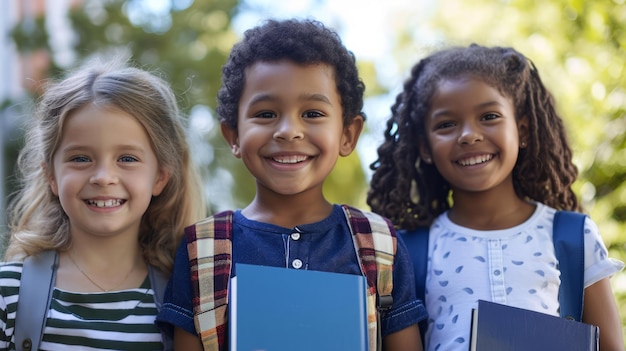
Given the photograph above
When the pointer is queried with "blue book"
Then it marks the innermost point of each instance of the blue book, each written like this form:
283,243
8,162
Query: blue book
506,328
280,309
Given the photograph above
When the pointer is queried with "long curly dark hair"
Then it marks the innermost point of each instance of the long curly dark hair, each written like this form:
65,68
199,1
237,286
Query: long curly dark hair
412,193
304,42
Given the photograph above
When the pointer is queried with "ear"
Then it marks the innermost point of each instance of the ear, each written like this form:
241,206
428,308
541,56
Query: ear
54,186
523,131
351,134
425,153
232,138
161,181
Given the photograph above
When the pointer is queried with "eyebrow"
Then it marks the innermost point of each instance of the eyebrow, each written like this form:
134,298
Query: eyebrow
82,148
478,107
305,97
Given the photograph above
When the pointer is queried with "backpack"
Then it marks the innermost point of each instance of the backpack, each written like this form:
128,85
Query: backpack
36,286
568,237
210,250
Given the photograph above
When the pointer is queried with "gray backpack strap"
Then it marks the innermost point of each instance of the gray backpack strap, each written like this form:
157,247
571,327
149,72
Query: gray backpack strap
158,282
36,285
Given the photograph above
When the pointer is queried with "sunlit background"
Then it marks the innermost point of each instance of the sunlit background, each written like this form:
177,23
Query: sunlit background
578,46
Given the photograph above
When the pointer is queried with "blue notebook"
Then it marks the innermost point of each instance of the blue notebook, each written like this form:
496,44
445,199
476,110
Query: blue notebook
506,328
280,309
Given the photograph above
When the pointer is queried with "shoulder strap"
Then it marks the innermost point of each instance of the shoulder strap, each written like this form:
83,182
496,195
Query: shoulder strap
158,282
36,285
569,247
210,249
416,242
375,243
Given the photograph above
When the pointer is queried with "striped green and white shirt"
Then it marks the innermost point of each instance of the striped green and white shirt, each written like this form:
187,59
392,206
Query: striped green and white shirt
119,320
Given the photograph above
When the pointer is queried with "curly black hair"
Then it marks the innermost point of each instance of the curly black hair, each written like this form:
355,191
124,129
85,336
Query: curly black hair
412,193
304,42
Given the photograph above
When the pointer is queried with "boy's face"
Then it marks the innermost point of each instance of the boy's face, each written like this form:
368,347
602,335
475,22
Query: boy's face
290,128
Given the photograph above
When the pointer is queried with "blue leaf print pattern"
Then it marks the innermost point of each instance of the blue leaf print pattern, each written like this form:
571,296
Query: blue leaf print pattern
461,239
469,291
458,269
459,340
437,271
517,263
455,318
443,283
508,290
480,258
528,239
442,298
532,291
537,254
540,272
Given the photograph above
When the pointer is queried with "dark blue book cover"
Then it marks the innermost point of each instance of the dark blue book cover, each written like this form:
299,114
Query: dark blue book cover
506,328
280,309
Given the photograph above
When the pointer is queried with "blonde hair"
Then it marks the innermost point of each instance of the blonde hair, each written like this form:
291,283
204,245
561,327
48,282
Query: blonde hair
37,221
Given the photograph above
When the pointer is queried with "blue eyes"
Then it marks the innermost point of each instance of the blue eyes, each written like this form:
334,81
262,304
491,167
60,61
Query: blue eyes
80,159
125,159
128,159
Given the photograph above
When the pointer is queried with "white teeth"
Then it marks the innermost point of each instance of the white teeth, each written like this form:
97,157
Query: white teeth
290,159
105,203
475,160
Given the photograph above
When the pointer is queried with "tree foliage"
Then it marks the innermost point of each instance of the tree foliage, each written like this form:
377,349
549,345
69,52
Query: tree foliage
187,44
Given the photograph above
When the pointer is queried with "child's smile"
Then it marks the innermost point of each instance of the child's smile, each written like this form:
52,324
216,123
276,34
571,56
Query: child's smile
105,172
473,134
290,127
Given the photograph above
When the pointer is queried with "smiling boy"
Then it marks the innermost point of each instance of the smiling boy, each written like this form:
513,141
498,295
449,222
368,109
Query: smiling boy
289,106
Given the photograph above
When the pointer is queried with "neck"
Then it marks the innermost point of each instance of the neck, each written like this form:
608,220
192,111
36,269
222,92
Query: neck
490,210
288,211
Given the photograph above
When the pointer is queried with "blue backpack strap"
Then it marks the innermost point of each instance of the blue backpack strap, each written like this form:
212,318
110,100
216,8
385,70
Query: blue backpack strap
569,247
36,285
416,242
158,282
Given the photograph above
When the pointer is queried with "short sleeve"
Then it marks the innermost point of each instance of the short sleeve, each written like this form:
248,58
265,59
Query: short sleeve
598,264
177,309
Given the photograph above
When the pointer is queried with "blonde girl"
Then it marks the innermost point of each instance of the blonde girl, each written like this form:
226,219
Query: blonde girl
107,184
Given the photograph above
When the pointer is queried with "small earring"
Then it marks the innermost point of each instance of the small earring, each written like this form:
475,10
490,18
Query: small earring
427,159
523,144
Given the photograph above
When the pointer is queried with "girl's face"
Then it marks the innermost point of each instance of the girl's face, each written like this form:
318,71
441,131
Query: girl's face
473,135
290,127
105,172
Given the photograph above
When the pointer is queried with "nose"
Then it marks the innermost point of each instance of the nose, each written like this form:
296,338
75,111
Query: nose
470,134
289,128
104,175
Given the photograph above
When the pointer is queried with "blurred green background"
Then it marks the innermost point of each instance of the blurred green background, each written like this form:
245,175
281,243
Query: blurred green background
578,46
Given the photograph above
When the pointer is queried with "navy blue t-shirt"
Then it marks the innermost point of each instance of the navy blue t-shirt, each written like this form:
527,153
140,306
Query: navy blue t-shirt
323,246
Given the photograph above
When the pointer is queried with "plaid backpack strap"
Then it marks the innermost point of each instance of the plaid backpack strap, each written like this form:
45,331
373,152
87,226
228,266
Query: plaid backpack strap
209,246
375,244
